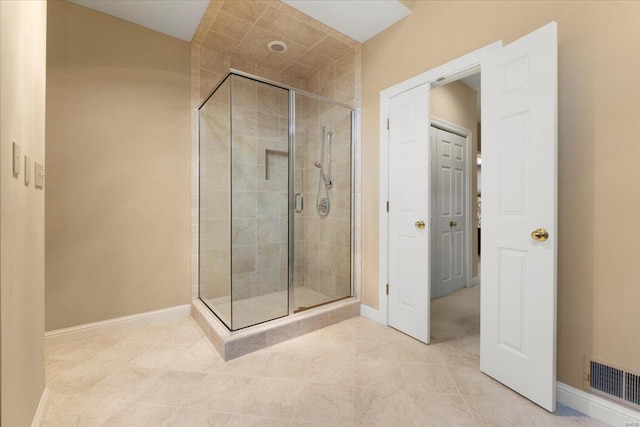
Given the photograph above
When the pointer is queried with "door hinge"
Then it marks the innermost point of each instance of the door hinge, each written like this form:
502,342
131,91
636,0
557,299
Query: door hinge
387,289
387,206
387,123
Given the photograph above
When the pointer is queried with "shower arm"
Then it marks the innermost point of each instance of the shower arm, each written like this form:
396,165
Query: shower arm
322,145
328,177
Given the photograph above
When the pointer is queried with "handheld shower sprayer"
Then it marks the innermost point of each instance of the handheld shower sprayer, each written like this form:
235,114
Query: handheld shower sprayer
326,136
322,175
323,204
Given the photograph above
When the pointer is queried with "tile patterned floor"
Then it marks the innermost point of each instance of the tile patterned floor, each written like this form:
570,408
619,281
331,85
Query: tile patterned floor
354,373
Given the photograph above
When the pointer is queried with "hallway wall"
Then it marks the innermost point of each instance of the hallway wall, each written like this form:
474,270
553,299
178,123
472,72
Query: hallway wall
22,119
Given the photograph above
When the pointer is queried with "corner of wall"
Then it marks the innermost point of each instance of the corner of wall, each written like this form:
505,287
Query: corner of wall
22,106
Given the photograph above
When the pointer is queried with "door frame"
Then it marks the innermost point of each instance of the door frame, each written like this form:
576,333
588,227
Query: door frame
463,66
468,247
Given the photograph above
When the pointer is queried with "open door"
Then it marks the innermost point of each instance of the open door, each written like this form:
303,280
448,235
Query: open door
409,212
519,227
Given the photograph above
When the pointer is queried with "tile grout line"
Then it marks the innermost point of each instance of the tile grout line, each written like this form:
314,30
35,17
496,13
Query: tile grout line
460,394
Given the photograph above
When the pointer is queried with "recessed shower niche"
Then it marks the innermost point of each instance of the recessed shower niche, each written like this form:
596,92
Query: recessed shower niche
276,201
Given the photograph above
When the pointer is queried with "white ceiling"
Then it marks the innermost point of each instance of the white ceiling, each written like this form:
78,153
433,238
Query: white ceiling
177,18
358,19
473,81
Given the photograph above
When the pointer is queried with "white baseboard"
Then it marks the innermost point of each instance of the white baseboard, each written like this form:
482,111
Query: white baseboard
41,412
61,336
596,407
372,314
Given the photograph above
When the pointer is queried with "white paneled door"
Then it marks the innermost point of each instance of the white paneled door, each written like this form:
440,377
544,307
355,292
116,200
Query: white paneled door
519,239
449,222
409,213
519,230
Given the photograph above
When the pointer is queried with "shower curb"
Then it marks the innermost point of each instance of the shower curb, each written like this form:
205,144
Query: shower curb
231,345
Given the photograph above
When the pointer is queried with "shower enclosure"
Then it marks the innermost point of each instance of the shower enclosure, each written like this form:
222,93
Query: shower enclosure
276,199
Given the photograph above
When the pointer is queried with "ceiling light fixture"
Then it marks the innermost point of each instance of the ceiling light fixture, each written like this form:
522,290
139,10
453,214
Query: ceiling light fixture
277,46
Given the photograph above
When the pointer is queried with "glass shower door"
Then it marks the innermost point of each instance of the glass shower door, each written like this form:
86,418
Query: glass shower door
244,204
322,185
259,202
215,203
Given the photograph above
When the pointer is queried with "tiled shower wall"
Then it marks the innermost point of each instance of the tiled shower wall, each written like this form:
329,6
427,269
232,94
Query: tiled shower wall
325,265
259,188
324,240
339,80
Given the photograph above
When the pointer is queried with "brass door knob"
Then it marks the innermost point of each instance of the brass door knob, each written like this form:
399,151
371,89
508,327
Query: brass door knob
452,223
420,224
540,234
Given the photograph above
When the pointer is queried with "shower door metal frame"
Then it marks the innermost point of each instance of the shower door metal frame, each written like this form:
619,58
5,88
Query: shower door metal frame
354,200
235,72
291,185
291,267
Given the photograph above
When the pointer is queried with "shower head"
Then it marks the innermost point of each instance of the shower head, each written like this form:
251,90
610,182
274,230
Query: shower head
318,165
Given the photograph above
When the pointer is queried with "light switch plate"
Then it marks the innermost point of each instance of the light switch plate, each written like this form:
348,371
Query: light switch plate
27,170
39,177
16,160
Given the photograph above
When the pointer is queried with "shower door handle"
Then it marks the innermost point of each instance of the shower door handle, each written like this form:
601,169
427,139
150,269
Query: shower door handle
299,207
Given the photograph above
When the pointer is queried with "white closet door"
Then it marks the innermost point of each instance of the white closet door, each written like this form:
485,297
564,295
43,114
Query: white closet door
450,219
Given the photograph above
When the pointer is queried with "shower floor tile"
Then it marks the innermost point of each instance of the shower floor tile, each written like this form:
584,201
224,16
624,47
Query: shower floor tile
254,310
353,373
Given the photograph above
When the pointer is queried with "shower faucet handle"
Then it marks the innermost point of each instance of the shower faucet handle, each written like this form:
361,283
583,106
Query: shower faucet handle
300,197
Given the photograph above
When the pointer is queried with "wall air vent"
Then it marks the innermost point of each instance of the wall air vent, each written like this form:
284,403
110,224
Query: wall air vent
632,388
614,382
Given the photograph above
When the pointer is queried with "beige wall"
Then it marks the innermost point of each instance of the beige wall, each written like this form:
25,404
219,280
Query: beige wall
598,190
22,108
117,216
456,103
